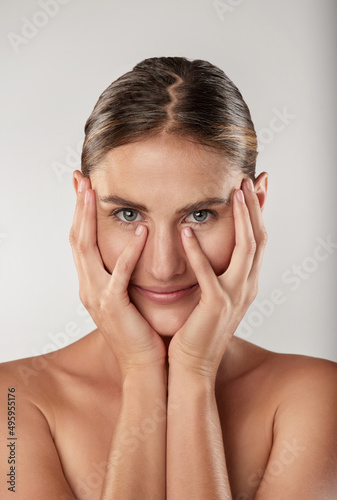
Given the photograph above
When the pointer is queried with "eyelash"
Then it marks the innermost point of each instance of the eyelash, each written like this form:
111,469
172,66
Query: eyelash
213,217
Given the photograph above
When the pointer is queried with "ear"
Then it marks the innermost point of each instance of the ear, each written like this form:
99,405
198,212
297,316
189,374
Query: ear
77,177
261,187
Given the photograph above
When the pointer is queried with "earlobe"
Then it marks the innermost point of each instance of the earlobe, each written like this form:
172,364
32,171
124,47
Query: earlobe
261,187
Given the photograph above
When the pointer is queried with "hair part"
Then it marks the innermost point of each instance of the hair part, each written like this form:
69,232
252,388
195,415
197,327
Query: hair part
192,99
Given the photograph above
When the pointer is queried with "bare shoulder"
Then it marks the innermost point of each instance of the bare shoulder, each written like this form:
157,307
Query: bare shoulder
50,380
25,373
27,450
254,377
30,378
303,385
33,378
40,399
301,392
28,392
295,374
287,379
286,370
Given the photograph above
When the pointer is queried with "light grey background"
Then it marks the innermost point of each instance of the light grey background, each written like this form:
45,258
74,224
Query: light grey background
281,55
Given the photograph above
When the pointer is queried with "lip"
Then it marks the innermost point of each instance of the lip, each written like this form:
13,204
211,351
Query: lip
167,295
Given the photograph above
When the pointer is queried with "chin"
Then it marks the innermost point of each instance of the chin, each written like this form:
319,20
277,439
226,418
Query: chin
165,320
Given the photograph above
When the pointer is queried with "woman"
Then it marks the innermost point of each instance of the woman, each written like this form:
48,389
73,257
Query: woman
162,400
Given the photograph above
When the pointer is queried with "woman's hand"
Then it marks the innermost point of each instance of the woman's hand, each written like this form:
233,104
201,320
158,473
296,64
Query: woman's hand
200,343
134,343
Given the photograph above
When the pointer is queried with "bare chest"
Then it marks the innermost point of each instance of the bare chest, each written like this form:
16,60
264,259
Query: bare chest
84,429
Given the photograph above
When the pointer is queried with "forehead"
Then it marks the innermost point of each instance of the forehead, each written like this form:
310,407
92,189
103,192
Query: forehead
160,163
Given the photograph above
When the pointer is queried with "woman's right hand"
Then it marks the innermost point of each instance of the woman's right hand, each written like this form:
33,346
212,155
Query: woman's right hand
133,341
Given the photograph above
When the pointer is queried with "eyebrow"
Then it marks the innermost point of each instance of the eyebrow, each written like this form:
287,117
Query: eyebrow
192,207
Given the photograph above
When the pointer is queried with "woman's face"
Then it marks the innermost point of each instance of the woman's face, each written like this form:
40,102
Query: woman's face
165,175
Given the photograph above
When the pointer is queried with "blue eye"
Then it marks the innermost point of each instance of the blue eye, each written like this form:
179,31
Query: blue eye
200,216
129,214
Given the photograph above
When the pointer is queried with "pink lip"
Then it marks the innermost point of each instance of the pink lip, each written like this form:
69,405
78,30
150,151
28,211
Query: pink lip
161,297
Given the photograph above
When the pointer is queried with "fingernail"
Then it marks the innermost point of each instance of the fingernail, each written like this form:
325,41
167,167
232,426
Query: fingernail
87,196
250,184
82,185
139,230
239,195
188,232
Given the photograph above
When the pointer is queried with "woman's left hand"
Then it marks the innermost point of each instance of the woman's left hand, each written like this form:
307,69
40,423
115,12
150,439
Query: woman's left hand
199,345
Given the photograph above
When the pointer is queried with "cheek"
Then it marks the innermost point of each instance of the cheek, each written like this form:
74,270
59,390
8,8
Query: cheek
111,244
219,248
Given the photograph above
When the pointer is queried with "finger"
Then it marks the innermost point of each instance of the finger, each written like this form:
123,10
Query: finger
77,221
245,244
127,261
260,233
200,264
83,185
87,256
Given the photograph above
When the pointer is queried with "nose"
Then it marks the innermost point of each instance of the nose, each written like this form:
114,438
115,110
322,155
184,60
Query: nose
163,255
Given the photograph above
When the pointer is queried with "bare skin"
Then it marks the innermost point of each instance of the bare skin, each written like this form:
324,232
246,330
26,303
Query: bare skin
74,407
211,422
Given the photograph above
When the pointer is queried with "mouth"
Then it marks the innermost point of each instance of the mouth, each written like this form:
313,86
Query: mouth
165,296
